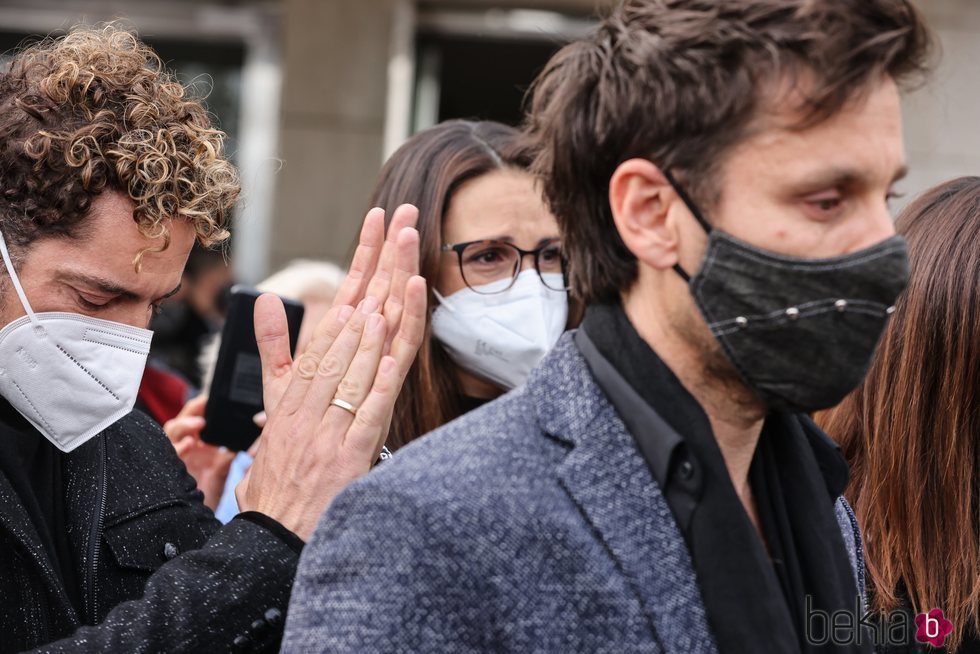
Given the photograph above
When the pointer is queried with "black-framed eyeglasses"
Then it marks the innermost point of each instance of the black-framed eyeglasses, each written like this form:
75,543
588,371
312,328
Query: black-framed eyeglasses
490,267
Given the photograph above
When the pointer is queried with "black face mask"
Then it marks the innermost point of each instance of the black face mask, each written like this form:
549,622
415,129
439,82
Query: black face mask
800,332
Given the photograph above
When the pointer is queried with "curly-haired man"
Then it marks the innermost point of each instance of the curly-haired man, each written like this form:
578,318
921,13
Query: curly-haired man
108,175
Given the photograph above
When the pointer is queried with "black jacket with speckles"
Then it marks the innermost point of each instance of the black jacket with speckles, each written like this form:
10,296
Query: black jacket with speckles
155,571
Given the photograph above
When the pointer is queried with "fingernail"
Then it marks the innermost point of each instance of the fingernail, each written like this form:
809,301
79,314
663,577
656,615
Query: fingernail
345,313
387,366
369,305
374,322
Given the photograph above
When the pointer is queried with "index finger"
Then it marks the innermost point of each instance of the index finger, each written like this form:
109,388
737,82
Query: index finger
365,261
406,215
194,407
406,267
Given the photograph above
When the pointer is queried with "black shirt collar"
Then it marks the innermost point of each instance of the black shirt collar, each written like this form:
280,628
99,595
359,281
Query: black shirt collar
801,553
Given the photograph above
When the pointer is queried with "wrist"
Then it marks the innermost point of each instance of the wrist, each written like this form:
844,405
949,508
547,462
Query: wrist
283,533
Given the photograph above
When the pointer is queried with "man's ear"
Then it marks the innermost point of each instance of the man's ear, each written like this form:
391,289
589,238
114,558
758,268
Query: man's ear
640,198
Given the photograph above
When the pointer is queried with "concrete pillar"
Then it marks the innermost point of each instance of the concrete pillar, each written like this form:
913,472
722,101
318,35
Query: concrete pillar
942,130
336,55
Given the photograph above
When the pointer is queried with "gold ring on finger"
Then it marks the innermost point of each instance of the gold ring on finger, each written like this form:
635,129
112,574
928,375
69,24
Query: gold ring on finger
345,405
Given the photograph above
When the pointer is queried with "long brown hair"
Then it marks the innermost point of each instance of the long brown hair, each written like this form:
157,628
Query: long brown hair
910,431
426,171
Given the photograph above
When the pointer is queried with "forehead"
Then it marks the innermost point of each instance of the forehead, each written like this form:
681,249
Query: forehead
864,136
111,243
501,203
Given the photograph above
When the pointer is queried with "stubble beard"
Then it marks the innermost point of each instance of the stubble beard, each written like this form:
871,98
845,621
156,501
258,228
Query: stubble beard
716,380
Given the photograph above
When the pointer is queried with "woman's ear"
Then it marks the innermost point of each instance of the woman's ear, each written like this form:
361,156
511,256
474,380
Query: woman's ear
640,198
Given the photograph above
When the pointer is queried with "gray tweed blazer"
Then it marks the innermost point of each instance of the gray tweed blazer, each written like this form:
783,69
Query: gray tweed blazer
529,525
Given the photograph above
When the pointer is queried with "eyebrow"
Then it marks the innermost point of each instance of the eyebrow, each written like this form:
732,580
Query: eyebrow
504,239
112,288
849,177
510,239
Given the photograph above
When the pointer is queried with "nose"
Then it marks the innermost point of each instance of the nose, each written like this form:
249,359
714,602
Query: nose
877,226
520,264
132,316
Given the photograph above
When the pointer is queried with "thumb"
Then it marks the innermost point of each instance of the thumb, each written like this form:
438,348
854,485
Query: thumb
272,338
242,488
181,427
194,407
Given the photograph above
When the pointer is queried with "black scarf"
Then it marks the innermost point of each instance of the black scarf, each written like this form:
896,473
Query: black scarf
755,598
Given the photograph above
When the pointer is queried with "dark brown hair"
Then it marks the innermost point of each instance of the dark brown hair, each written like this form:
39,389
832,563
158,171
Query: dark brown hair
679,82
426,171
910,431
96,110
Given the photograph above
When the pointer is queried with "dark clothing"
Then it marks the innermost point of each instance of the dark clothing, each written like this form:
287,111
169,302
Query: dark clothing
532,524
467,403
110,549
32,465
796,476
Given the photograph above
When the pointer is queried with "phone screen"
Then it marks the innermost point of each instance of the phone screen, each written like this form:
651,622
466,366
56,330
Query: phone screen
236,389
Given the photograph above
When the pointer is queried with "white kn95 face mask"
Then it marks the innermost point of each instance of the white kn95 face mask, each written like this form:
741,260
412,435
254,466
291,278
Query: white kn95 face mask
501,337
69,375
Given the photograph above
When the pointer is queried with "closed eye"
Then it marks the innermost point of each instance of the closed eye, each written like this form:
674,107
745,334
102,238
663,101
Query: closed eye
92,303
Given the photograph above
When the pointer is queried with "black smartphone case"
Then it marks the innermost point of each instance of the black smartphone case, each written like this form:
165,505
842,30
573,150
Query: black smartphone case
236,389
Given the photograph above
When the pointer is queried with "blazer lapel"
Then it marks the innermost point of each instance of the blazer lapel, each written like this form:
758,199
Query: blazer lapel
605,475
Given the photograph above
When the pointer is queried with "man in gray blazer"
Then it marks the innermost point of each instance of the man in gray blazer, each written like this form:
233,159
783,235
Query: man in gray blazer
720,171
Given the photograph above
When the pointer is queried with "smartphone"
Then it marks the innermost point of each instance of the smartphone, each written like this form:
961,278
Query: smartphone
236,389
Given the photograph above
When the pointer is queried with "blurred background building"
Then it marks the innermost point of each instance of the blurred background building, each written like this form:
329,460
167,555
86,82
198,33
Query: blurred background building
314,94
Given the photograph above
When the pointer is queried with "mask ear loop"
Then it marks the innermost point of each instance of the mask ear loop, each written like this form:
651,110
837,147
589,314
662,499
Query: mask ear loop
693,208
17,286
442,301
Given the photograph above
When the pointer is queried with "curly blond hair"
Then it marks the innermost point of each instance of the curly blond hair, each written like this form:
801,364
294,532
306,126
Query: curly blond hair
94,110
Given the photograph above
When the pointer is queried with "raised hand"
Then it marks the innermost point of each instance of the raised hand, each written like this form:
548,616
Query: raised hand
310,448
381,268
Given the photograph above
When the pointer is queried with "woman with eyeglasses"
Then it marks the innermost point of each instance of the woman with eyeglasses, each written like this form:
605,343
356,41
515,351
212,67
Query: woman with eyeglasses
491,253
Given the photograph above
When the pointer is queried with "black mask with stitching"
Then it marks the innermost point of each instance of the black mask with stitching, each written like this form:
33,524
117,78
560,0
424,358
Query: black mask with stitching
800,332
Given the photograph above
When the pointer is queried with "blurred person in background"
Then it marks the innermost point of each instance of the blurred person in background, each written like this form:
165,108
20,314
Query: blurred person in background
491,252
185,322
110,172
181,326
218,471
911,430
